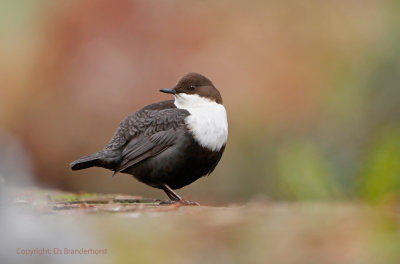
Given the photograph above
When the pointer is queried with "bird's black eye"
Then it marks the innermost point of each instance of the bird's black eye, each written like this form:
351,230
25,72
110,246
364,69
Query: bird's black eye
192,87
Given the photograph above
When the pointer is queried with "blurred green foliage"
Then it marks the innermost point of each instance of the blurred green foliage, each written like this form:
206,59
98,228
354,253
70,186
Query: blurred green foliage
380,175
304,172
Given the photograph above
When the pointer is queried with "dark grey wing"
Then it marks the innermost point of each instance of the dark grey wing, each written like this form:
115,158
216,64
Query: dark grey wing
160,133
136,124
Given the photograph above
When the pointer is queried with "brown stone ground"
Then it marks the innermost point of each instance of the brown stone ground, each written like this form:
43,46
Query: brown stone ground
138,230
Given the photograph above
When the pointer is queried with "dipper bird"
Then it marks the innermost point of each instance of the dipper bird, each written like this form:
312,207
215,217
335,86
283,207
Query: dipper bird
169,144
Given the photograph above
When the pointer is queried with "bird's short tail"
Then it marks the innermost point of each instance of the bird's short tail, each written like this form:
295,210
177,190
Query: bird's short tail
86,162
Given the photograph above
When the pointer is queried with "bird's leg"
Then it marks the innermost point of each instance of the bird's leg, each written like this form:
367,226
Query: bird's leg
175,197
171,194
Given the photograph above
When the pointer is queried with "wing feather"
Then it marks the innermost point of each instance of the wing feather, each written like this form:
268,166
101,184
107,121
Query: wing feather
158,135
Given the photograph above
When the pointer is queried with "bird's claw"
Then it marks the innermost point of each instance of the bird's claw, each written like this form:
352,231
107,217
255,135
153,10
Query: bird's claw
187,202
182,202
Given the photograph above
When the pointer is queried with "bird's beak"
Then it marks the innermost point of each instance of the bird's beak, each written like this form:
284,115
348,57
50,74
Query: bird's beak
168,90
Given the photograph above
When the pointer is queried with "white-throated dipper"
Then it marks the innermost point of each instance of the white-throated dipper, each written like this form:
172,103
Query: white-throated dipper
170,144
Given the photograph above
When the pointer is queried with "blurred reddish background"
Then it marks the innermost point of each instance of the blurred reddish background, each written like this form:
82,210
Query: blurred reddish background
311,88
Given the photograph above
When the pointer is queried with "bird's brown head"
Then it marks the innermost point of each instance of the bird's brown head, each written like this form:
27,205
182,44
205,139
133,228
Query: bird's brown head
195,84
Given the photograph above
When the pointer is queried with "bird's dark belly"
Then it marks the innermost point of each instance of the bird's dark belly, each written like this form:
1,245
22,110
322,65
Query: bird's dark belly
177,166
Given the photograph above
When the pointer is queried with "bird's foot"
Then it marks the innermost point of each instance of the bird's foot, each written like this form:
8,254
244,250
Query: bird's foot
182,202
187,202
175,198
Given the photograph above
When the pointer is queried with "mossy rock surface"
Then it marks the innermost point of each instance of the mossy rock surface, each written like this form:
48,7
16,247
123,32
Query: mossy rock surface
139,230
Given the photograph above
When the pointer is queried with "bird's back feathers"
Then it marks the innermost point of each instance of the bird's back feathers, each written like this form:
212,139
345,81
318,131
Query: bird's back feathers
144,134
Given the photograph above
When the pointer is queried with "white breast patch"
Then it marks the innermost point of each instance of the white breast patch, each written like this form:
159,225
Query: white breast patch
207,120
